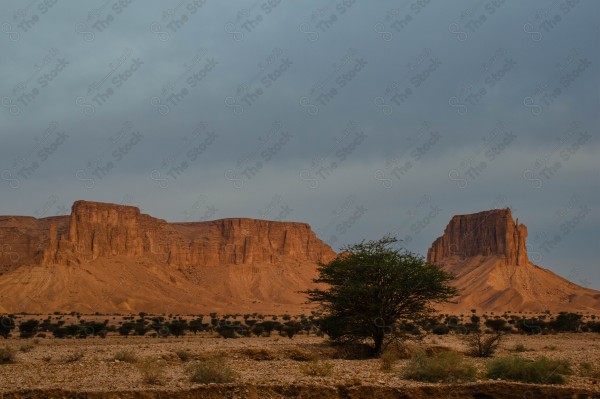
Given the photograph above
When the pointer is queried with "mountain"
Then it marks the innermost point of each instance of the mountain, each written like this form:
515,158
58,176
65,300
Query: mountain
112,258
487,252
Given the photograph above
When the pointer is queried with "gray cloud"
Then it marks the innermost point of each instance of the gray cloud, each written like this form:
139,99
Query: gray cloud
360,118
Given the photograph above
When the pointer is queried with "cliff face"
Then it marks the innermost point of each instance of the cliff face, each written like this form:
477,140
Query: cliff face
486,252
98,230
485,233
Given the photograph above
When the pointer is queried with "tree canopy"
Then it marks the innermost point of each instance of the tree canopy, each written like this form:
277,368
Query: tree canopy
372,285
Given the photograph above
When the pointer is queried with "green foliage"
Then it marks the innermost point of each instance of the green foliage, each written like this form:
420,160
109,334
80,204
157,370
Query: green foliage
441,329
567,322
28,328
373,285
540,371
211,371
6,326
447,366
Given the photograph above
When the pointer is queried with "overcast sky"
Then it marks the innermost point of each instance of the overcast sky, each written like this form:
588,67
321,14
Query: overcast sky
359,117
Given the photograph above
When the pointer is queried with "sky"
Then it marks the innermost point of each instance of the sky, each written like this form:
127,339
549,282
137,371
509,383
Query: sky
361,118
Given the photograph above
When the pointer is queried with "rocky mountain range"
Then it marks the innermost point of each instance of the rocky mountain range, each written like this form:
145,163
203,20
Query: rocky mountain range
114,259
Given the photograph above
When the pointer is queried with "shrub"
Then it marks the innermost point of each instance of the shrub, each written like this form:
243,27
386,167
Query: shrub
125,356
152,372
483,345
520,348
388,359
300,355
588,370
442,367
317,368
73,357
441,329
183,354
7,355
26,347
211,371
540,371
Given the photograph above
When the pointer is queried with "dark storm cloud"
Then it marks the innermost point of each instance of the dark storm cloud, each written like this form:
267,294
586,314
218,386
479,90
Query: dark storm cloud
360,118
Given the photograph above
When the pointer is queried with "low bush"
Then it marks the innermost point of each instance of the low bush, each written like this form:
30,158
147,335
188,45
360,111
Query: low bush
210,371
125,356
387,360
446,366
184,355
483,345
441,329
587,369
300,355
73,357
152,371
540,371
317,368
520,348
7,355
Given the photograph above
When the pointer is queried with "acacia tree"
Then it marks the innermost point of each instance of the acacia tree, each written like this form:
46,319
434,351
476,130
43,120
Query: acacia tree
371,286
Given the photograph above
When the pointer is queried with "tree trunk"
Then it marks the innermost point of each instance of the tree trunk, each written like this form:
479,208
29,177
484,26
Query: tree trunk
378,337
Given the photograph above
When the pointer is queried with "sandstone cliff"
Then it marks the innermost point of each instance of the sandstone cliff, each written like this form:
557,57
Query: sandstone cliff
102,230
485,233
487,253
106,257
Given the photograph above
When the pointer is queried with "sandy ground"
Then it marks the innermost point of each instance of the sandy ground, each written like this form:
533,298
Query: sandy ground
49,363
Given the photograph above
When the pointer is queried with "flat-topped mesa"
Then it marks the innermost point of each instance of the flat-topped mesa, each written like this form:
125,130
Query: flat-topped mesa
486,233
104,230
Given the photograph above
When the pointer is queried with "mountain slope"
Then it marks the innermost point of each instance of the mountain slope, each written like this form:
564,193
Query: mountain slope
112,258
487,253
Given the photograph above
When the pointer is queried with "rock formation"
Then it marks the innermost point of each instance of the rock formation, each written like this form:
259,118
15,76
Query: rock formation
247,252
487,253
485,233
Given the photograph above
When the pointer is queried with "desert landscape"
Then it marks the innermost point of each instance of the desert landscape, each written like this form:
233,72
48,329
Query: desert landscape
267,199
167,322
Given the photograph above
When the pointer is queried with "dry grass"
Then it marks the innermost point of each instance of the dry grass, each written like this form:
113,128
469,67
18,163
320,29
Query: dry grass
127,356
300,355
317,368
211,371
73,357
152,371
7,355
387,362
184,355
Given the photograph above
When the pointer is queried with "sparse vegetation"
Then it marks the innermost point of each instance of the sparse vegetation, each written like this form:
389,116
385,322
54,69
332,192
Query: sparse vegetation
387,361
587,369
519,348
73,357
317,368
152,371
483,345
448,366
210,371
183,354
127,356
540,371
7,355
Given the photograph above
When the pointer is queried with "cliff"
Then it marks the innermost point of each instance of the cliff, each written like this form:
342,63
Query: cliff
492,232
113,258
487,254
103,230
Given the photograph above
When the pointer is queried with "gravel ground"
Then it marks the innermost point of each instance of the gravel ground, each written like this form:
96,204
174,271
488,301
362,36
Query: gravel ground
89,364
